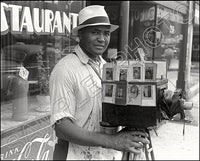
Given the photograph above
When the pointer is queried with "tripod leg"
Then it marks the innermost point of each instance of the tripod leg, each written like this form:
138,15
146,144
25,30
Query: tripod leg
146,152
150,149
125,156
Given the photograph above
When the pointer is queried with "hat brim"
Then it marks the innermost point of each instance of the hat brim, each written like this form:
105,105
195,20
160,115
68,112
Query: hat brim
74,31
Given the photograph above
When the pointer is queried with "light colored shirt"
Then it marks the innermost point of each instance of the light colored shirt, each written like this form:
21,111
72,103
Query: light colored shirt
75,91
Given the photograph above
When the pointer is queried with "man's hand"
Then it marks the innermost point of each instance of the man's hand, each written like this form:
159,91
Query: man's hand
131,141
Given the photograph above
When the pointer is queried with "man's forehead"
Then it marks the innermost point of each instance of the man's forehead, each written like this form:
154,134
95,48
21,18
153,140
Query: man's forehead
98,27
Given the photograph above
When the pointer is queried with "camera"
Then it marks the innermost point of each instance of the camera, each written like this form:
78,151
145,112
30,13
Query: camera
173,103
134,115
130,94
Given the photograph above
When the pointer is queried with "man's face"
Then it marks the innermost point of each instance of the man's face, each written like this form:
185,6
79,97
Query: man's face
94,40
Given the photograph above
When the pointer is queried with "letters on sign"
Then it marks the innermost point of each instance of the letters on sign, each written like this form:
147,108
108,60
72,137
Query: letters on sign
39,21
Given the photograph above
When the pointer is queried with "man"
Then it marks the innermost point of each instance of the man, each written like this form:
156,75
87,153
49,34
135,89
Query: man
169,55
75,90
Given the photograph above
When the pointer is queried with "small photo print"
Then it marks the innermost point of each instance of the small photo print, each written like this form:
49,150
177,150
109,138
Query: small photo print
123,74
134,91
108,90
136,72
149,72
149,95
134,94
109,73
120,93
147,92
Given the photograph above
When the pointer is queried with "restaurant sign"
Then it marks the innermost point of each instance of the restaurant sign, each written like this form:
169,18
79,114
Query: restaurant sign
16,18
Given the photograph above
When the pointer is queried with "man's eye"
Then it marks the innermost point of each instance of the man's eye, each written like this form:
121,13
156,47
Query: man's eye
95,32
107,34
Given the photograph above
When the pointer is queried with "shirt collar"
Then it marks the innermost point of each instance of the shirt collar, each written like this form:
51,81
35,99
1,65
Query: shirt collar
84,58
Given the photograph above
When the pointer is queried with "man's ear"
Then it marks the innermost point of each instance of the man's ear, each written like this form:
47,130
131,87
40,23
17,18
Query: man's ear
76,38
79,37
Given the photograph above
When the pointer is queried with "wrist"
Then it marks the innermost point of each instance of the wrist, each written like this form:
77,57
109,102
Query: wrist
106,141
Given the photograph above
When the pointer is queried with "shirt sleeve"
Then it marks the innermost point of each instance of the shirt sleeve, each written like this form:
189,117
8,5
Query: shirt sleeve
62,94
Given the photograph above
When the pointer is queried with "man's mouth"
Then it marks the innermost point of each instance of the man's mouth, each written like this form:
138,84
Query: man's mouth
100,47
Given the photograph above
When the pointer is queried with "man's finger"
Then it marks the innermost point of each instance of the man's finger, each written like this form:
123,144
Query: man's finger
140,139
139,133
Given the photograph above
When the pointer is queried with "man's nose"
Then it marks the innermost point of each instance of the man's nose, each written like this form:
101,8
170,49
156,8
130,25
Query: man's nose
101,37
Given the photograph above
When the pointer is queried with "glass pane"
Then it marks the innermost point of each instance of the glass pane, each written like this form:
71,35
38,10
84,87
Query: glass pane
170,26
141,30
34,37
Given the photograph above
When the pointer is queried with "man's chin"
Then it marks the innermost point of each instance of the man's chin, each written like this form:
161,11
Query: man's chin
99,53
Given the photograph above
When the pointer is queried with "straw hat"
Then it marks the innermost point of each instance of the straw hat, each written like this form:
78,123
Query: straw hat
93,15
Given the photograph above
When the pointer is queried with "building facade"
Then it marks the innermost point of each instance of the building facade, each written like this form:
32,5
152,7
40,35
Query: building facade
35,35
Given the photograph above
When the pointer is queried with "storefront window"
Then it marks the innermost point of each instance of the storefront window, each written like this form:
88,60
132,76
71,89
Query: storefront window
169,23
34,37
141,25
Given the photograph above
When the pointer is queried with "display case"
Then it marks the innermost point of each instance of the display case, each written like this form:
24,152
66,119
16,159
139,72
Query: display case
138,115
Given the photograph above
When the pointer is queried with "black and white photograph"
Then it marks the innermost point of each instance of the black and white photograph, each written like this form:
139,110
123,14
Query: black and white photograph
147,91
74,63
121,92
123,75
109,92
134,94
121,71
136,71
150,71
109,72
149,95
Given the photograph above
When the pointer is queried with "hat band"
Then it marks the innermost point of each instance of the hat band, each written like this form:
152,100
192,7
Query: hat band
99,19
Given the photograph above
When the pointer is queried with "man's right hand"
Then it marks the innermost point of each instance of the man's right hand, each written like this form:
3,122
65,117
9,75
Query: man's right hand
130,141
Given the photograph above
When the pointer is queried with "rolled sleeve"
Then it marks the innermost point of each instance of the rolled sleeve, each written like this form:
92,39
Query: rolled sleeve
62,95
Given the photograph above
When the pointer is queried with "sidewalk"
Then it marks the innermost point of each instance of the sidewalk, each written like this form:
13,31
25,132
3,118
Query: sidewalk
171,144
